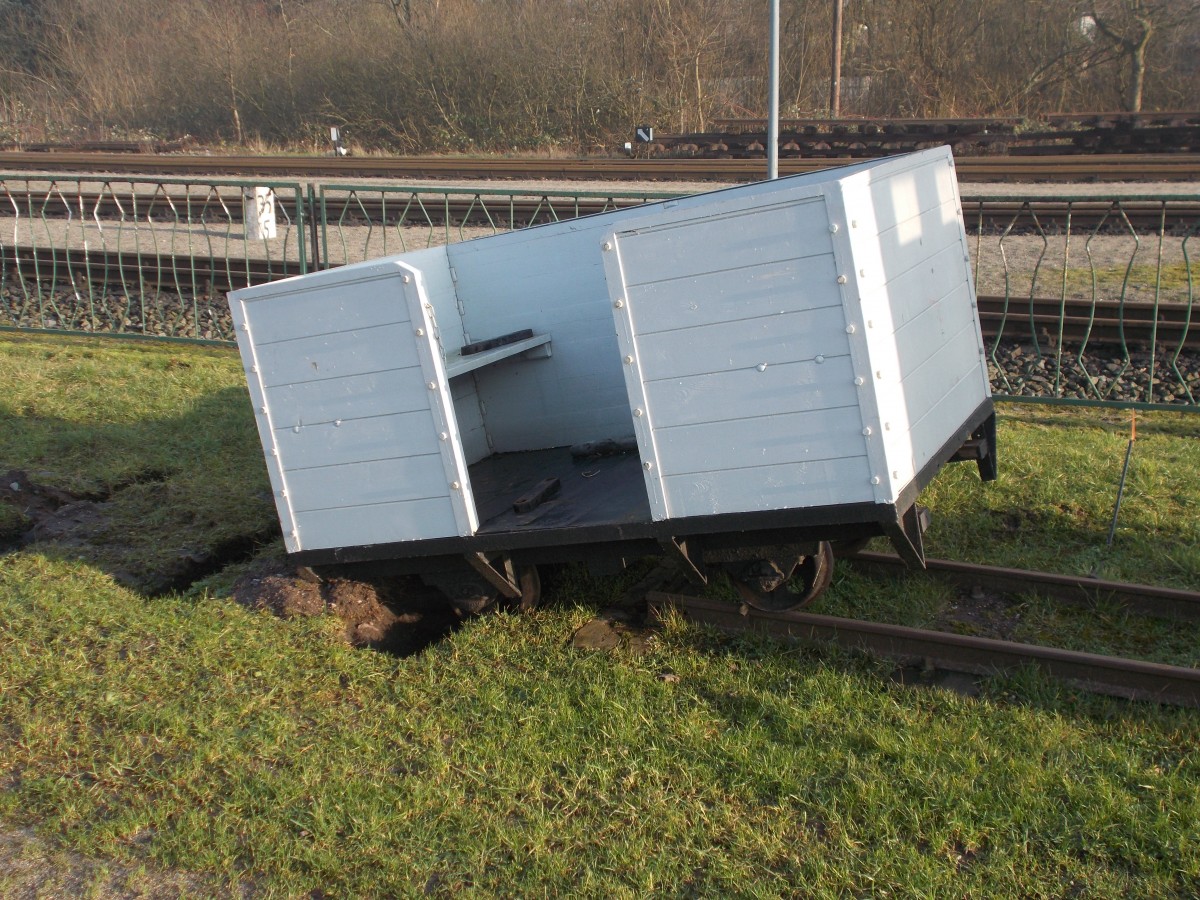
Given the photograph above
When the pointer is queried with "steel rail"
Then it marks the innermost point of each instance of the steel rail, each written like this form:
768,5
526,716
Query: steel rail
109,267
1104,321
1093,167
1143,599
1116,676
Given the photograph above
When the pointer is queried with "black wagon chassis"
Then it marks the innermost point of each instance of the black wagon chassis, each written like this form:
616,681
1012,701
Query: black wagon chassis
569,527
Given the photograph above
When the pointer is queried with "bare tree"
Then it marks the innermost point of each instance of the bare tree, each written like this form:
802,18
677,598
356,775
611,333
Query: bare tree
1129,26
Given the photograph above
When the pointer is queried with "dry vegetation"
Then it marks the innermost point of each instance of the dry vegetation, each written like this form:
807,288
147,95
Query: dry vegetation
436,75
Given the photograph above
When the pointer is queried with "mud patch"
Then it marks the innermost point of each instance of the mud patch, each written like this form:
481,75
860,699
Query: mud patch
980,613
400,616
24,504
87,527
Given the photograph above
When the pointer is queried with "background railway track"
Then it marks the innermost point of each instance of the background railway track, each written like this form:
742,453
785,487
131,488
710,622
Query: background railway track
1087,167
1048,320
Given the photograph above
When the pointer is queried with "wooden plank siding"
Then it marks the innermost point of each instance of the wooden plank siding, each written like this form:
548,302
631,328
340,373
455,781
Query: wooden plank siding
739,361
352,423
910,278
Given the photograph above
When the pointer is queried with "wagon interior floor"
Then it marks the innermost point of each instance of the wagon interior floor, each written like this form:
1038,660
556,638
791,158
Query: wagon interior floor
607,490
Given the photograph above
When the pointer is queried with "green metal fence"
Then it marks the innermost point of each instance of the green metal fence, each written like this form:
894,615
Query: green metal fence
141,256
1089,300
1084,299
365,221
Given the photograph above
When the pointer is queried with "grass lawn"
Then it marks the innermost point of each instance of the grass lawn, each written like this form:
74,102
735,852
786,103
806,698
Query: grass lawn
184,730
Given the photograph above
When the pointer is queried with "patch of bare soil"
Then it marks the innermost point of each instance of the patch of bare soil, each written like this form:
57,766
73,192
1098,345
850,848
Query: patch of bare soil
400,616
32,868
981,613
30,504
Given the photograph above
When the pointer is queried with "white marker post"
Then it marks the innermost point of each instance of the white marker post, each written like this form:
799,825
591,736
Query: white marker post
258,212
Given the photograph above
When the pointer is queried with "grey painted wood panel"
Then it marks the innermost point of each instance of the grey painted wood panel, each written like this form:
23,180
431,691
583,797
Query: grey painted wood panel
557,289
359,305
910,188
950,319
591,422
718,459
350,397
903,250
953,360
336,355
912,291
470,419
909,252
357,526
738,294
368,483
730,443
942,418
725,347
262,423
781,388
342,442
755,237
793,486
445,440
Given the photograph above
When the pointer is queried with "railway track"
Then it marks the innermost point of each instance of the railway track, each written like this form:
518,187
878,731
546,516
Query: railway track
1116,676
1170,325
472,209
1093,167
1113,133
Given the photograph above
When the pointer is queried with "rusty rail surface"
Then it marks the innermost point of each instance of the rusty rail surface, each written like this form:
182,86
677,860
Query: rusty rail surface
1087,167
1115,676
1146,600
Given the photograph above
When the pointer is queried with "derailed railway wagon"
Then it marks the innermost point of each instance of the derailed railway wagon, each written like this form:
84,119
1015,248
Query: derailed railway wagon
745,380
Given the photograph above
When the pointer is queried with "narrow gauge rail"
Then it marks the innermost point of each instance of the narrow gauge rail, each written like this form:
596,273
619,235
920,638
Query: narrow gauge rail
1116,676
1143,599
1172,325
466,209
1094,167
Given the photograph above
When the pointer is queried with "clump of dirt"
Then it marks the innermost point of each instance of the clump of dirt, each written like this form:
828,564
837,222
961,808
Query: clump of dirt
281,594
613,629
400,616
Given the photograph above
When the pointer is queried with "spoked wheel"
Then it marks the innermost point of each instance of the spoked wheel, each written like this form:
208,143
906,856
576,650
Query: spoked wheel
775,585
467,593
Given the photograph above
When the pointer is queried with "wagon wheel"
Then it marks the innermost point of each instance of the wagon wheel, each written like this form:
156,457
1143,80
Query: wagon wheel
776,585
467,593
470,594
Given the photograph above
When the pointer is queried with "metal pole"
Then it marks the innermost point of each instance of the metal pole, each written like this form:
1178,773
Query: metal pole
773,99
1112,529
835,74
